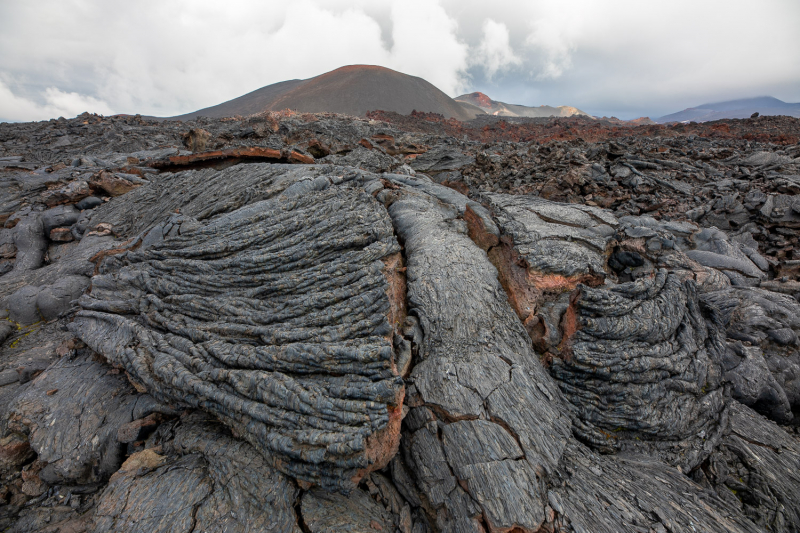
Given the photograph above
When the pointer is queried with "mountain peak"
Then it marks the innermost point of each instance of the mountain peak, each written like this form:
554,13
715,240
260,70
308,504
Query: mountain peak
477,98
741,108
494,107
350,90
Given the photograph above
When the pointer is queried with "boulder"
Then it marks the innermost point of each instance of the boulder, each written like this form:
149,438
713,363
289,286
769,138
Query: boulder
21,305
55,299
90,202
70,193
61,216
112,184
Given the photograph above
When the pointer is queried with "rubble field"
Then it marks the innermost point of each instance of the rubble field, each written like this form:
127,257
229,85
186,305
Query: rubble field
316,322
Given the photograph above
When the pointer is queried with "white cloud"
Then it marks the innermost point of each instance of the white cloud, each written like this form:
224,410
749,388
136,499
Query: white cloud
494,52
556,52
554,37
74,103
166,57
56,103
205,54
426,45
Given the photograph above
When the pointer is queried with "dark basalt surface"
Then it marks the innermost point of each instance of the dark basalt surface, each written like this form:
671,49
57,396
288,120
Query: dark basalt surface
641,369
487,422
214,481
296,322
275,318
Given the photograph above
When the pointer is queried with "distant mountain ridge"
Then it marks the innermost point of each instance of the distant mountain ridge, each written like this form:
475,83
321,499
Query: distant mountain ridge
742,108
350,90
502,109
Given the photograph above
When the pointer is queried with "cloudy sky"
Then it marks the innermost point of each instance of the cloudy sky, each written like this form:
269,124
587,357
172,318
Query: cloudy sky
626,58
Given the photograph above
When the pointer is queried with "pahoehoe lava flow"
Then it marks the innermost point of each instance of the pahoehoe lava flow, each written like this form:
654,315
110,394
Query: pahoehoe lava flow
312,322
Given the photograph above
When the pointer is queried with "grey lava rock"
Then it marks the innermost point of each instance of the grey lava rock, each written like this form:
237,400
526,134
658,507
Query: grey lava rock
57,298
513,324
754,385
554,238
71,414
61,216
31,243
22,306
90,202
643,356
441,159
201,480
299,357
769,322
476,362
756,468
327,512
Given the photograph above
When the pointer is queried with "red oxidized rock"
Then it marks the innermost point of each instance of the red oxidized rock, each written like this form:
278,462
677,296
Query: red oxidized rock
61,235
112,184
69,194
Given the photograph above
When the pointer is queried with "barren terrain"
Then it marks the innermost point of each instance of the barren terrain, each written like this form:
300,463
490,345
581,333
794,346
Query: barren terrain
320,322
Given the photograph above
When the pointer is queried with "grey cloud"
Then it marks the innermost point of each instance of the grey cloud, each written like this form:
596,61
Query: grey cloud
625,58
645,58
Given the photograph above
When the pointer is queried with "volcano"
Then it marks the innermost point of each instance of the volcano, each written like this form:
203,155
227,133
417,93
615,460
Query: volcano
351,90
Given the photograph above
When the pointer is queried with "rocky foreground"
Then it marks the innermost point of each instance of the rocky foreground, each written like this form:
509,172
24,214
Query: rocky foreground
321,323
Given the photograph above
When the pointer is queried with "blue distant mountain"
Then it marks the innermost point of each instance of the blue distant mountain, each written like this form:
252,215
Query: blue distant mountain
763,105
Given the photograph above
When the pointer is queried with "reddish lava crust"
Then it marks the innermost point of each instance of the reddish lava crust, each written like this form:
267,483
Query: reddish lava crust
527,289
231,156
781,130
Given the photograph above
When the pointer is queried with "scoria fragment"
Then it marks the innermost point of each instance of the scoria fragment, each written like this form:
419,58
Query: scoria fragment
276,318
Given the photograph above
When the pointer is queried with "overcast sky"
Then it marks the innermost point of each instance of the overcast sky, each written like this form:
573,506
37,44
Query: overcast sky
626,58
